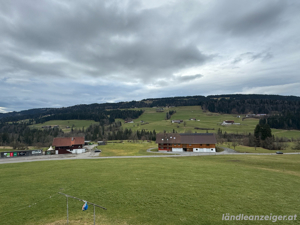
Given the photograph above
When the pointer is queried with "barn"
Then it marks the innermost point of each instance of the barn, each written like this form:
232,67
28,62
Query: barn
66,145
188,142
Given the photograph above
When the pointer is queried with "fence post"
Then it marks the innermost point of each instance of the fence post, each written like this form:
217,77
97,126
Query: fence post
67,211
94,216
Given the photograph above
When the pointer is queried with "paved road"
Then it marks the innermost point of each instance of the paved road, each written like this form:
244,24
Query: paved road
91,155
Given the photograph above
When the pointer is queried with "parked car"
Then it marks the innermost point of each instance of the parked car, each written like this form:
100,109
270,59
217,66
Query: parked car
97,150
279,152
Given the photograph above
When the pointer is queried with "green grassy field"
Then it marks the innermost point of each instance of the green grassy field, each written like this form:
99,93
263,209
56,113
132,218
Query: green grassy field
63,124
126,148
8,148
247,149
185,190
156,121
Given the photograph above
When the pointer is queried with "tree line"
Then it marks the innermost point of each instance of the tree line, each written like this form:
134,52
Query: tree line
285,120
20,136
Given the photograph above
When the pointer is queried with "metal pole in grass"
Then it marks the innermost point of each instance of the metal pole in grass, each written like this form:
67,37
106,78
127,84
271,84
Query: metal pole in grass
67,211
94,215
69,196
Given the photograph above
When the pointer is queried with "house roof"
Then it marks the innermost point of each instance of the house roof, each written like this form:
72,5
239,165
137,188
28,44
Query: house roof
68,141
167,138
198,138
189,138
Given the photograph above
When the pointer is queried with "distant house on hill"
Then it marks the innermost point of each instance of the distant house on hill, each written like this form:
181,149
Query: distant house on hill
177,121
227,122
255,115
159,109
46,127
129,121
65,145
189,142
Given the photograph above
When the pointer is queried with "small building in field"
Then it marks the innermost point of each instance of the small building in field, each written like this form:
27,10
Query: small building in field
101,142
177,121
66,145
190,142
128,121
86,142
227,122
46,127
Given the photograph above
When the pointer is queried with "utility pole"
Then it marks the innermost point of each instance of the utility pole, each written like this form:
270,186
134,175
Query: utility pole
69,196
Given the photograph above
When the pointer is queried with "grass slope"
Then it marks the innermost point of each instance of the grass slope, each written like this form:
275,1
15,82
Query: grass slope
156,121
78,124
187,190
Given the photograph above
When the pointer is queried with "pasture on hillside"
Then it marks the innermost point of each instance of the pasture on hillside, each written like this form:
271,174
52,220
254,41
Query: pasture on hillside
156,121
63,124
184,190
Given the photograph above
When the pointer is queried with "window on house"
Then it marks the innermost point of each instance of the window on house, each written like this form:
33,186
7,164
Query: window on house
207,144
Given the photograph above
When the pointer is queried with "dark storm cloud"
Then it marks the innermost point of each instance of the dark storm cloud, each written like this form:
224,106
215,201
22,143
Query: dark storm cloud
120,50
258,18
104,38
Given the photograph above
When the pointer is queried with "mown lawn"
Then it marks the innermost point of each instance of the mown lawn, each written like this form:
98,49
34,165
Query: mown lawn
183,190
247,149
115,148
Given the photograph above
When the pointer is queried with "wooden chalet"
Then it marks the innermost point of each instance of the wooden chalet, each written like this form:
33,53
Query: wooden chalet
190,142
65,144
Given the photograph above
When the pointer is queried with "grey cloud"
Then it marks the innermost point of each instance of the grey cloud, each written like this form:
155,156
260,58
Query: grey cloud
83,34
119,50
261,18
177,80
250,57
189,77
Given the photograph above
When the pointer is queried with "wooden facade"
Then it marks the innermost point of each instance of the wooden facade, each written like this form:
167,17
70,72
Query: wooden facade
196,142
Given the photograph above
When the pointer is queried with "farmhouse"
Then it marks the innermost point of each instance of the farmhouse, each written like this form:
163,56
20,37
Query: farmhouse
227,122
192,142
177,121
65,145
128,121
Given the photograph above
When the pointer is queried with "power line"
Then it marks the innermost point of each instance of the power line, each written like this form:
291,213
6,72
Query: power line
29,206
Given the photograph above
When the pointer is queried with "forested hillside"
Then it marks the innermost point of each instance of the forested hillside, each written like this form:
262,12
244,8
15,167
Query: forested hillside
283,113
241,104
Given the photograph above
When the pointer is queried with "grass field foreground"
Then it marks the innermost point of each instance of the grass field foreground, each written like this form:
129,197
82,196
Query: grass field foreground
247,149
184,190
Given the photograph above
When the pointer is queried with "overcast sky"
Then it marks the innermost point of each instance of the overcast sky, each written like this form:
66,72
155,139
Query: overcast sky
57,53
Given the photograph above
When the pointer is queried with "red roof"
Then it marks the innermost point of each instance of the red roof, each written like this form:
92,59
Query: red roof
68,141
